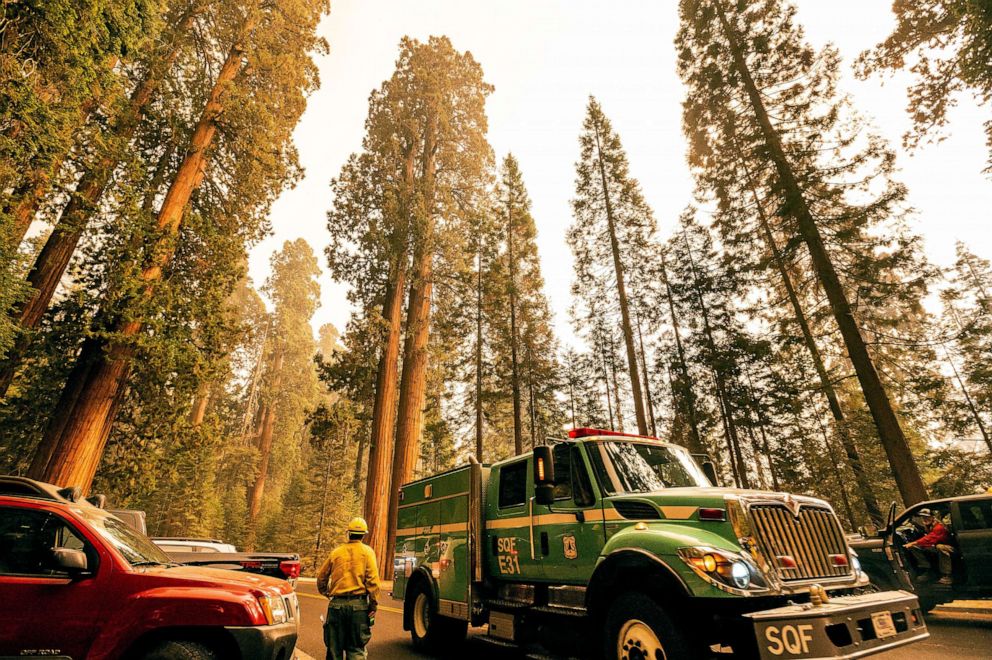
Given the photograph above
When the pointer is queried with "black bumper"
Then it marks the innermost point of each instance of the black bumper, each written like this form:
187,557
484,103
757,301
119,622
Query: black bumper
846,627
266,642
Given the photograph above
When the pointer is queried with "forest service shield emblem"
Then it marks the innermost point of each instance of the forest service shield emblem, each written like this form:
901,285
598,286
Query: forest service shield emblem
571,550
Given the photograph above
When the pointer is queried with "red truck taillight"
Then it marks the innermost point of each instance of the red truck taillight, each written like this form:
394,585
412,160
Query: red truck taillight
291,569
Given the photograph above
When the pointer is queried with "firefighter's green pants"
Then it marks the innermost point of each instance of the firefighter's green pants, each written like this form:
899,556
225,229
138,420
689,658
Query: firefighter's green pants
346,631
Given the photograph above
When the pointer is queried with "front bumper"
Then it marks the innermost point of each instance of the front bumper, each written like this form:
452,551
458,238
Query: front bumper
274,642
845,627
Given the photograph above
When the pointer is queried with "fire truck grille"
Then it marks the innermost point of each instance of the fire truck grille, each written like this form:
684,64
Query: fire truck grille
804,547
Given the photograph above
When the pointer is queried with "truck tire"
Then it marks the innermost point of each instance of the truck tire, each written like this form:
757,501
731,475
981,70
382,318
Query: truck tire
637,628
179,650
429,630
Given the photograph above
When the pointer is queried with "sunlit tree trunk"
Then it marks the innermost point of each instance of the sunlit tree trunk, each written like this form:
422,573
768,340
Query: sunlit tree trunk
50,264
377,487
478,356
73,442
413,380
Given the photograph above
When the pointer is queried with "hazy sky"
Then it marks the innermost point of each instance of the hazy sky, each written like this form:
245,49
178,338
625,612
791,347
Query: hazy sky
544,59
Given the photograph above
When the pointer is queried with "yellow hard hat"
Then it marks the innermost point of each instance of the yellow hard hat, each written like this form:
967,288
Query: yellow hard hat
358,526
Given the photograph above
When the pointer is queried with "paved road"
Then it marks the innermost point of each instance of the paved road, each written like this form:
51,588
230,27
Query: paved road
953,635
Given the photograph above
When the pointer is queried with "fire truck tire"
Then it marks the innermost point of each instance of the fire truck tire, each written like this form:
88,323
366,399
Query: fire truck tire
428,629
637,628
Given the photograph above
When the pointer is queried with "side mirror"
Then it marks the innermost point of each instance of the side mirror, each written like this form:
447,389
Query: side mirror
72,562
544,476
709,469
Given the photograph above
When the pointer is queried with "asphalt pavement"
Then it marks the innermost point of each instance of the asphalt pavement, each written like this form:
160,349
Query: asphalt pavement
957,632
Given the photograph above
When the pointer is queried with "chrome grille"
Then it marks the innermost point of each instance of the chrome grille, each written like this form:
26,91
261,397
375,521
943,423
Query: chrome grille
809,539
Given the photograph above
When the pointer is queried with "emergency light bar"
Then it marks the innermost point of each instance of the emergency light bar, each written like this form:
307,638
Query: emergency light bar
584,432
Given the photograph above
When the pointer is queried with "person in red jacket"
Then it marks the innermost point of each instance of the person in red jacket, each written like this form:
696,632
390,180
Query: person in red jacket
924,549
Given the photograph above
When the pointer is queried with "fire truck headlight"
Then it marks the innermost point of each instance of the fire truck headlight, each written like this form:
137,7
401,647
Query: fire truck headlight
728,571
740,574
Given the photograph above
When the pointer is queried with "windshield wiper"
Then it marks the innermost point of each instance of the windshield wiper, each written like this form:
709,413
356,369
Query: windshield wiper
152,563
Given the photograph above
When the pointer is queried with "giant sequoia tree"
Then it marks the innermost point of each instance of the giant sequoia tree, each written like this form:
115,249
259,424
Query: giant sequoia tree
757,90
110,148
262,78
287,379
416,187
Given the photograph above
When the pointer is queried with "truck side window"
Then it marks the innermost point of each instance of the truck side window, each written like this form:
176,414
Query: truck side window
513,484
27,539
581,486
571,478
563,471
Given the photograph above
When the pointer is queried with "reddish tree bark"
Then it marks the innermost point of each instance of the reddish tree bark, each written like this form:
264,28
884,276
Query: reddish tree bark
54,258
377,489
381,448
77,432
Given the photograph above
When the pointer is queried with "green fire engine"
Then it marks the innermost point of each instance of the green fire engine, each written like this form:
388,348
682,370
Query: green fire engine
621,546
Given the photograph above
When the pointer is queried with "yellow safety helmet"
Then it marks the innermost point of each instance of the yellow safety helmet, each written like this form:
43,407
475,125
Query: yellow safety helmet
358,526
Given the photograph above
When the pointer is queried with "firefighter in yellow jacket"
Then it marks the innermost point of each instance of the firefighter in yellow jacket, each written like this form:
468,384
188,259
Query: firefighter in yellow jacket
350,579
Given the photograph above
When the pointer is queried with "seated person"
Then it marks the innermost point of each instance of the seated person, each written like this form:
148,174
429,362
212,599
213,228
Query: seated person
924,549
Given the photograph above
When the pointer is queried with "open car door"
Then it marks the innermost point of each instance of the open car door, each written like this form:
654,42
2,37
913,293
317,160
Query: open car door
973,531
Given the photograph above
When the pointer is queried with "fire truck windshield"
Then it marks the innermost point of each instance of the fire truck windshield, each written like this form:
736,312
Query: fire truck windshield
640,467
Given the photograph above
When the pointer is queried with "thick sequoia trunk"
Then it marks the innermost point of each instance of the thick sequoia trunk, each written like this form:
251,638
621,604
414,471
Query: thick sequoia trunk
478,358
50,264
199,409
628,334
413,381
256,490
904,468
28,199
74,440
381,448
377,487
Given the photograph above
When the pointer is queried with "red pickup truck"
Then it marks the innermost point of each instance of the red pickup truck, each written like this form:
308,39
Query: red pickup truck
76,582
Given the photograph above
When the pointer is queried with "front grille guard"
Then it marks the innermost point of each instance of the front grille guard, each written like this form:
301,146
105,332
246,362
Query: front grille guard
739,515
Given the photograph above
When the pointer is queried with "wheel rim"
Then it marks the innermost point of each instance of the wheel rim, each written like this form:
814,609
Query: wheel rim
637,641
421,615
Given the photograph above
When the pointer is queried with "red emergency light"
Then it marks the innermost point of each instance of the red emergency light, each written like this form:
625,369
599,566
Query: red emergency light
584,432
